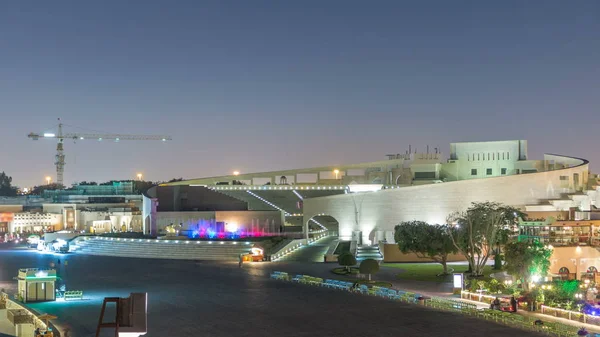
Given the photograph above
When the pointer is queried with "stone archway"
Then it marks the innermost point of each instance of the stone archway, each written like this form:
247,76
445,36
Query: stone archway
322,222
397,179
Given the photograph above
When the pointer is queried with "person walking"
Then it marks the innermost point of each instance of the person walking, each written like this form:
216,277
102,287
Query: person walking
241,261
513,304
496,304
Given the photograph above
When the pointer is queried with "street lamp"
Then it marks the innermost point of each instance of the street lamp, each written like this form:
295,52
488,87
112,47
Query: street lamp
236,173
336,171
48,179
139,176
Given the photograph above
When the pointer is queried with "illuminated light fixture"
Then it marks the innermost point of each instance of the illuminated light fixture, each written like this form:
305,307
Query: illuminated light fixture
236,173
81,138
164,140
100,139
231,227
49,135
41,273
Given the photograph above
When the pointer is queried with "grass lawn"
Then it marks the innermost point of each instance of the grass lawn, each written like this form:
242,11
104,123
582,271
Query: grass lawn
343,247
353,271
343,271
430,271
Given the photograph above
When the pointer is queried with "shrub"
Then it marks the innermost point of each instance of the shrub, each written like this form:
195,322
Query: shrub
347,260
369,266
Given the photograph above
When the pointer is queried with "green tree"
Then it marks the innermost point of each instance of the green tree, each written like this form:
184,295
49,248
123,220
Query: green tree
347,260
39,190
368,266
141,186
526,260
477,230
6,187
427,241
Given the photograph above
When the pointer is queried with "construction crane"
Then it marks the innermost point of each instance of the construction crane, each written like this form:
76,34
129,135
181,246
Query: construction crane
60,136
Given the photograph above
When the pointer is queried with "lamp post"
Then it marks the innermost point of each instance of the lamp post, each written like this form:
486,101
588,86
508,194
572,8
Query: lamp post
48,179
139,176
336,171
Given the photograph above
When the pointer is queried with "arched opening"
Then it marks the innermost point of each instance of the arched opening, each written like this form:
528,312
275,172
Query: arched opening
398,179
592,270
565,274
322,222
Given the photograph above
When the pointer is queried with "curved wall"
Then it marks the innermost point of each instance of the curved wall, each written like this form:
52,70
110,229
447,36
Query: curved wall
382,210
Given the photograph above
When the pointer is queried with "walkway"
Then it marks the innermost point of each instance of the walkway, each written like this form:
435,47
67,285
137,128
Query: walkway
388,274
314,252
224,295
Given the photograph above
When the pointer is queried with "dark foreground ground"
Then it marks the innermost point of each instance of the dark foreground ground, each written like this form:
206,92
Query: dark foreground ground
211,299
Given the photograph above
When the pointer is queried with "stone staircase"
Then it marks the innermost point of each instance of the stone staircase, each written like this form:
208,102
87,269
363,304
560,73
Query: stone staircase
368,252
163,249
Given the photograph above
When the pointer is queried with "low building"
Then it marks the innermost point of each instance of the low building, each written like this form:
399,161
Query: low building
198,211
35,222
36,285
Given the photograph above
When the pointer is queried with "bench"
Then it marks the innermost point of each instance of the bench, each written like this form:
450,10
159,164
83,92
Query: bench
75,294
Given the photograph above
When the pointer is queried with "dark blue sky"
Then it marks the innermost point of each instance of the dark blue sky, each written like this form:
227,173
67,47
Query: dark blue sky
263,85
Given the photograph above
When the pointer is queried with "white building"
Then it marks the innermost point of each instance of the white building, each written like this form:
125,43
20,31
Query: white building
35,222
506,177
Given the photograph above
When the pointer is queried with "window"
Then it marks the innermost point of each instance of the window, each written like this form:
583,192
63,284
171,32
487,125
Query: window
488,172
503,171
507,155
488,156
473,172
424,175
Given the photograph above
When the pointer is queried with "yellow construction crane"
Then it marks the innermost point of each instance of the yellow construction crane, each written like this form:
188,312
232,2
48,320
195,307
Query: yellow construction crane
60,136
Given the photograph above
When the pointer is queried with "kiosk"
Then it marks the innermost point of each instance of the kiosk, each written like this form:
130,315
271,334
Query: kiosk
36,285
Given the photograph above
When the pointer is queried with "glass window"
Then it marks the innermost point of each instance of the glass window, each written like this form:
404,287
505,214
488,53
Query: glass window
502,171
488,172
473,172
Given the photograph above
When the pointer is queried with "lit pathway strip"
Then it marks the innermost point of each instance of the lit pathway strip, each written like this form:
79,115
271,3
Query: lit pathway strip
290,250
298,195
277,188
318,223
268,202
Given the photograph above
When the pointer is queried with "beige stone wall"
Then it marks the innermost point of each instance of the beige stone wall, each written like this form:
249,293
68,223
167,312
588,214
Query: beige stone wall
576,259
244,219
382,210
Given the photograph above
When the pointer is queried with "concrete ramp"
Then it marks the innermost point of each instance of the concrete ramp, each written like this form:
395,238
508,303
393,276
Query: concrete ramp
315,252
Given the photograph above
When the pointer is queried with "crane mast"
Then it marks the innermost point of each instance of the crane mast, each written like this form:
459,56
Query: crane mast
59,161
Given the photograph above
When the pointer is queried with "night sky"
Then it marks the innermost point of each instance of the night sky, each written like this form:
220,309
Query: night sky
264,85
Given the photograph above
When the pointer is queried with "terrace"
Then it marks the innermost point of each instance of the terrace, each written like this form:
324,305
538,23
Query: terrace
561,233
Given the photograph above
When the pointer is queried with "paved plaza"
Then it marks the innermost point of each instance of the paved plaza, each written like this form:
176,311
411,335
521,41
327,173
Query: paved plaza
188,298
